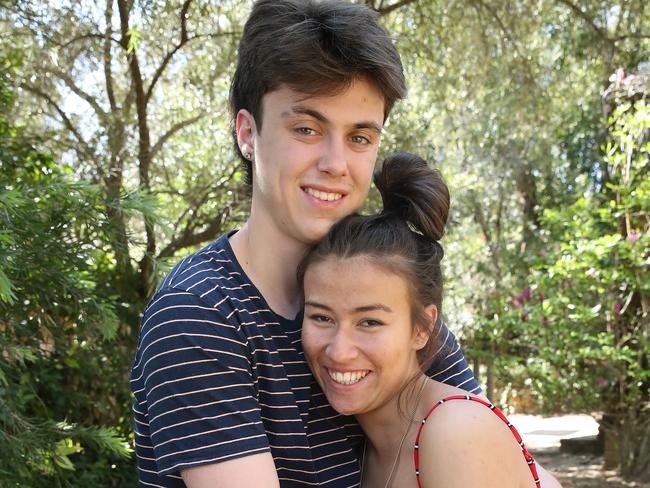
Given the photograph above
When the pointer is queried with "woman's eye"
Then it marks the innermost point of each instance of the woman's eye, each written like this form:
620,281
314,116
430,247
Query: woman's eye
371,323
320,318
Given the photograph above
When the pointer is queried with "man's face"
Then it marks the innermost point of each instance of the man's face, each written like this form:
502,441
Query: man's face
313,158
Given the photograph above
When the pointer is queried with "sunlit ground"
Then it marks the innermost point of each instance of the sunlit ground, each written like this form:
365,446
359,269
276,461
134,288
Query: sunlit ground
542,437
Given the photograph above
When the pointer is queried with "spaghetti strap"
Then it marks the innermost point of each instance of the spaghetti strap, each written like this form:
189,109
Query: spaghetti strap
529,458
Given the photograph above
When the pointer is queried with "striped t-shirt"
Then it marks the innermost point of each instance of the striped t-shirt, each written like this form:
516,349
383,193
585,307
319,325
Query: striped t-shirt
218,375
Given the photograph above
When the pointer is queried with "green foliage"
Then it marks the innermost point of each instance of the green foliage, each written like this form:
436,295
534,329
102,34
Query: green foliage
56,322
547,244
581,327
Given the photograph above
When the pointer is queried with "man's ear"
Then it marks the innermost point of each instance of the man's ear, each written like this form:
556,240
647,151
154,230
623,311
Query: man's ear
246,131
423,334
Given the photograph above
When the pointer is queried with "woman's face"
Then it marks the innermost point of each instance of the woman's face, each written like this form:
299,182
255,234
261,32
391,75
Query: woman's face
358,334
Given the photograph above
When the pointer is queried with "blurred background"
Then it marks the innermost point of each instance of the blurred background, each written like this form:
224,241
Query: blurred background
116,160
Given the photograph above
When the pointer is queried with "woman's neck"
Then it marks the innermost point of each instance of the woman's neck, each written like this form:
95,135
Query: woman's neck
393,424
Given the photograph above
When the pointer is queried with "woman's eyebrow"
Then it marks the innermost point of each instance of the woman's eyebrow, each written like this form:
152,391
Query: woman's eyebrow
374,307
311,303
364,308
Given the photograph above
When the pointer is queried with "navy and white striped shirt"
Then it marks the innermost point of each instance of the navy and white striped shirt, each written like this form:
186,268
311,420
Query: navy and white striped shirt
217,375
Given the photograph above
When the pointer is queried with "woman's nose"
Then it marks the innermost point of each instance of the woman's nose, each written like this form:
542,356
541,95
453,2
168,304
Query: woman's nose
341,348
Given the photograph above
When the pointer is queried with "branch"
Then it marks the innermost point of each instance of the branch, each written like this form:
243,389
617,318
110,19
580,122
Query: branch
389,8
496,17
172,130
189,238
89,35
67,79
144,142
170,54
108,76
66,120
193,224
506,31
630,36
479,218
583,15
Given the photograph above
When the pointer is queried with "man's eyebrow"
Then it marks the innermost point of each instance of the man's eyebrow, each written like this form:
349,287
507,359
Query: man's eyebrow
299,109
368,125
364,308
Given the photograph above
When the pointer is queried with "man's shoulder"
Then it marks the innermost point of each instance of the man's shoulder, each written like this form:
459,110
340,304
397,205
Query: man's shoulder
211,274
214,264
449,364
206,289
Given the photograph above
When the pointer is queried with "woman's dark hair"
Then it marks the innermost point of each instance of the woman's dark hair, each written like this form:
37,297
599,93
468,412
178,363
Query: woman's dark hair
316,47
403,238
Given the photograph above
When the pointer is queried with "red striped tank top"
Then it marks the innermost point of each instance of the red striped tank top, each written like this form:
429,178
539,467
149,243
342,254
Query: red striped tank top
499,413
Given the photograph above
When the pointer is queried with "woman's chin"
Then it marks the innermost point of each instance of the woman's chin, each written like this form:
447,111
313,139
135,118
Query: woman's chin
345,408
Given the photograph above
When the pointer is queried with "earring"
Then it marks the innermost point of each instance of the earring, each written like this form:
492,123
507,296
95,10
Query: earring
248,156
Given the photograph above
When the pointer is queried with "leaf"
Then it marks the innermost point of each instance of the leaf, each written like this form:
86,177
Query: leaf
6,289
134,38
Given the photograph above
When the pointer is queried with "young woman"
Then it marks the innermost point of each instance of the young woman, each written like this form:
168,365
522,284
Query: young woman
373,295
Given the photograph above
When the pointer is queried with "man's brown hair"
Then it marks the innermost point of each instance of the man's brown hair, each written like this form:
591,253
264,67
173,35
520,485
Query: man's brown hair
313,47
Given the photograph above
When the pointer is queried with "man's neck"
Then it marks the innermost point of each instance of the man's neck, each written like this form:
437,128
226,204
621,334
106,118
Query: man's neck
270,260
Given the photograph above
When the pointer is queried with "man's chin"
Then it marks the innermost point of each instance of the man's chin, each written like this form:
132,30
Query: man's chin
316,234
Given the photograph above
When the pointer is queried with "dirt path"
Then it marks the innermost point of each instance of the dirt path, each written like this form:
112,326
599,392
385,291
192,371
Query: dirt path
581,471
542,437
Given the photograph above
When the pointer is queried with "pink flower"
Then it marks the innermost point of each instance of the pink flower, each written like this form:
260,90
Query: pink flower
617,307
633,236
618,76
602,382
526,293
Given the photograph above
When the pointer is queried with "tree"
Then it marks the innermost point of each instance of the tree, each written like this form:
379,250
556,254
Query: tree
116,87
55,319
128,100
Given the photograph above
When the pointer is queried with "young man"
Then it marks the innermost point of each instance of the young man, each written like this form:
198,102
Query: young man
223,395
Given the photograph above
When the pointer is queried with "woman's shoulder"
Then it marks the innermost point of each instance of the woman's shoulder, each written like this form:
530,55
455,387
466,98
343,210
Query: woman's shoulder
461,416
464,442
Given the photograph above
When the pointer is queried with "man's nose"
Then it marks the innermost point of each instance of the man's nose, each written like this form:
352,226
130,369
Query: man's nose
334,161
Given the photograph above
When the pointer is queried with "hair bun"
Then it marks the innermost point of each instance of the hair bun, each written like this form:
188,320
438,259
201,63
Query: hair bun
413,191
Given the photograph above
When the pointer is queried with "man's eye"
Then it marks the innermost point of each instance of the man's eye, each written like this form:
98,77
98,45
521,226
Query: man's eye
361,140
307,131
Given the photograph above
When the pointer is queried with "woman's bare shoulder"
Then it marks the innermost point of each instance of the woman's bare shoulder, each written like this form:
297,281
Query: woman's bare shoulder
464,443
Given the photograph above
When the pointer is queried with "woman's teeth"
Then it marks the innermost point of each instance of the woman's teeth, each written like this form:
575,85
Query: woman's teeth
349,377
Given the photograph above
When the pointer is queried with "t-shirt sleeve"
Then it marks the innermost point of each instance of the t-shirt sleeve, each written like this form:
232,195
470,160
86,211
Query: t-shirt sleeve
196,384
449,364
